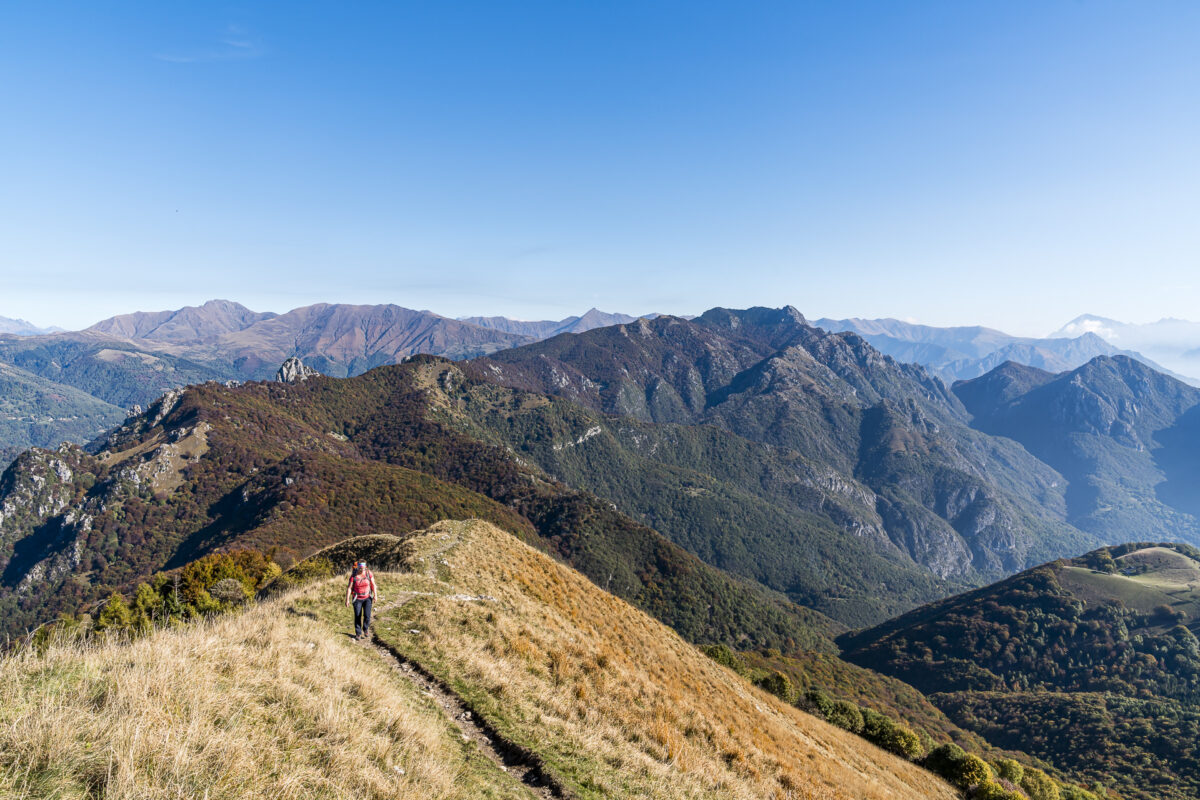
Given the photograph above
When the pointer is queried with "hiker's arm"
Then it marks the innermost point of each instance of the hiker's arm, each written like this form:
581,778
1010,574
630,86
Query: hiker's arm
374,591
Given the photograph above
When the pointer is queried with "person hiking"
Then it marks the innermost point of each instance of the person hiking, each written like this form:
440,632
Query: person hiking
361,591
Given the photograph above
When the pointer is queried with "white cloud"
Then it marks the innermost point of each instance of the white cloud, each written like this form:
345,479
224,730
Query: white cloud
1095,326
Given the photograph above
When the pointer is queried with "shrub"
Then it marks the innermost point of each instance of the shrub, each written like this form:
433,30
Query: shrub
994,790
842,713
1039,786
1068,792
319,567
114,615
817,702
972,770
957,766
1009,770
777,684
229,591
944,760
272,572
724,656
884,732
1101,561
846,715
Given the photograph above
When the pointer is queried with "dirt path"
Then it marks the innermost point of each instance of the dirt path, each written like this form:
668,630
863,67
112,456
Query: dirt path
517,761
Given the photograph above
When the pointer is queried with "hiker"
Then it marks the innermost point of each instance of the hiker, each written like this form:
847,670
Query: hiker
362,591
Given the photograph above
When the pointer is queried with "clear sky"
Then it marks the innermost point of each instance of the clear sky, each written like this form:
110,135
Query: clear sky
1007,163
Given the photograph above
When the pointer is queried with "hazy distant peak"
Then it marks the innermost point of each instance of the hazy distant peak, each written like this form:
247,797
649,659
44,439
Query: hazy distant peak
22,327
545,328
1089,323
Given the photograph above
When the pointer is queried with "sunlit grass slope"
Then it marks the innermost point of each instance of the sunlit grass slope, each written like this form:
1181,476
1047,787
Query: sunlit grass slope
263,704
615,703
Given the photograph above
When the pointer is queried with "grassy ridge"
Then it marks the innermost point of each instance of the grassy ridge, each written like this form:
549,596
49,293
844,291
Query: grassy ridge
616,704
268,703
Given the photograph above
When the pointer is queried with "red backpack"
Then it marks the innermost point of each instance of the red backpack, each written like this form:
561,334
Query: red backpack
360,585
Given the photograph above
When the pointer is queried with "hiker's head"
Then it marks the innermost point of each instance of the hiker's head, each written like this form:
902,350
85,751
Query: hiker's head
359,566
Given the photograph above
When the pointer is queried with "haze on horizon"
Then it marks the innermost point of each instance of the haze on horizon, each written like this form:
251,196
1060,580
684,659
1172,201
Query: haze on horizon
1012,165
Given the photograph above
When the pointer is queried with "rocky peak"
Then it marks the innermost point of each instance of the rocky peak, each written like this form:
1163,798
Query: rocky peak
294,370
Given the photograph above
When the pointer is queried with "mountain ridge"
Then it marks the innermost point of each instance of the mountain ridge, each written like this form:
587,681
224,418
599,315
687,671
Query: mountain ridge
1122,434
768,376
965,352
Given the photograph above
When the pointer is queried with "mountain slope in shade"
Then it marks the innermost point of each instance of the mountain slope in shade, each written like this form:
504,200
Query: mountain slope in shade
544,329
1126,437
1174,343
114,371
35,412
961,353
189,324
954,501
1090,663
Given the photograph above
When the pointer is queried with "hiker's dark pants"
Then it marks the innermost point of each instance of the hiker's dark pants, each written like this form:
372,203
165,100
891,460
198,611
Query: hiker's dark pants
362,615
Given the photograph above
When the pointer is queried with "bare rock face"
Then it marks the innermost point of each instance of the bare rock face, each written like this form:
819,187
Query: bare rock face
294,371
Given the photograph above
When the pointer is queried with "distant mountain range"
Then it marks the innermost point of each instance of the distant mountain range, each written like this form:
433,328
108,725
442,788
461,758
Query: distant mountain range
19,327
544,329
1175,343
960,353
132,359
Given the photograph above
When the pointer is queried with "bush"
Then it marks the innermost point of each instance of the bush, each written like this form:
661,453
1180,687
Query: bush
1076,793
272,572
1008,770
115,614
957,766
972,770
994,790
884,732
846,715
724,656
816,702
229,591
1039,786
944,760
777,684
842,713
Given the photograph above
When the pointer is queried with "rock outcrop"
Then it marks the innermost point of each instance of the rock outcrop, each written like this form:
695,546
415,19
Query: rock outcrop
293,371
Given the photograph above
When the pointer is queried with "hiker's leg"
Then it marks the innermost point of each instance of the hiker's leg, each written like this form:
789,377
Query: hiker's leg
367,604
358,617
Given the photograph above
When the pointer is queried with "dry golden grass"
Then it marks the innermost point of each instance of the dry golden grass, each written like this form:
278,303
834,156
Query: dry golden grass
616,703
261,704
277,702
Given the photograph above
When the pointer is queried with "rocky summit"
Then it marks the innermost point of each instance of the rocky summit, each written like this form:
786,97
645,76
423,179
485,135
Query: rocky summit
293,370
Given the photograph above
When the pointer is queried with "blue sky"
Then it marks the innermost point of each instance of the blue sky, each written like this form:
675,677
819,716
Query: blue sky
1006,163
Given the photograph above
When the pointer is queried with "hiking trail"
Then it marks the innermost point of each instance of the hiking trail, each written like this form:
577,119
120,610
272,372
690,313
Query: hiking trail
511,757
